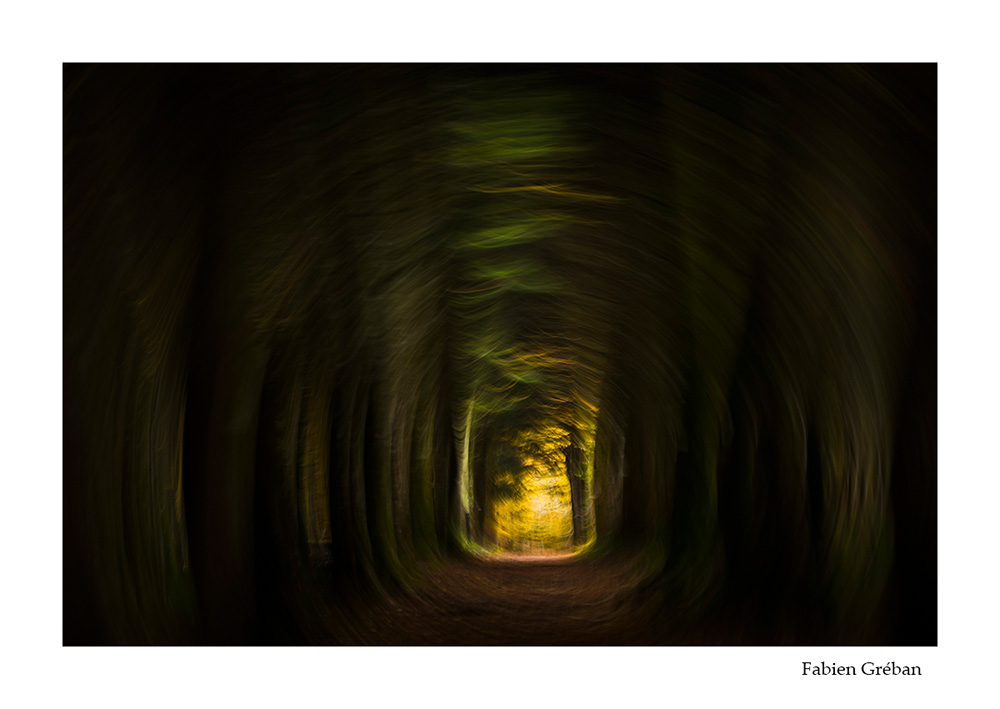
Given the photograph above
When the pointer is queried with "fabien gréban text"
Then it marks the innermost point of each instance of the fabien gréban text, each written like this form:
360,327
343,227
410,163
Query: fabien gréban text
883,669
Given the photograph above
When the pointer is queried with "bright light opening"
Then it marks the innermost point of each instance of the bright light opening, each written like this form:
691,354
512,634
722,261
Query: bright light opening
537,516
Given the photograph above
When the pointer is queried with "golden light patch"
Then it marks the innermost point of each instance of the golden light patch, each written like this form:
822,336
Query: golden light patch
540,517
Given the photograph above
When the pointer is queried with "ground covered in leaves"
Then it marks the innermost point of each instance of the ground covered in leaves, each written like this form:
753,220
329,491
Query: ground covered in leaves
511,600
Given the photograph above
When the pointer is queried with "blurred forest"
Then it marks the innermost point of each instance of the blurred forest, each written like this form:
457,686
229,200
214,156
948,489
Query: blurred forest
334,332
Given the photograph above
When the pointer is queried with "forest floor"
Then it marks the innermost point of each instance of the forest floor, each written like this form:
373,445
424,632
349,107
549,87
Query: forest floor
509,600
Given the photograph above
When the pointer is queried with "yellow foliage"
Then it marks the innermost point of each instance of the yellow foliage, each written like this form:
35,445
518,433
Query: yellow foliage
541,516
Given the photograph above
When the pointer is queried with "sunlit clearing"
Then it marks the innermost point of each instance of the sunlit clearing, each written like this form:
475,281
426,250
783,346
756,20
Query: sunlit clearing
539,518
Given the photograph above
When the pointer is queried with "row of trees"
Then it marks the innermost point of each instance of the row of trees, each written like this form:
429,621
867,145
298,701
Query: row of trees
316,315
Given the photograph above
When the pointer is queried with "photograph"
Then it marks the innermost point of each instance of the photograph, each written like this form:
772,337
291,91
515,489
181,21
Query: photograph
502,354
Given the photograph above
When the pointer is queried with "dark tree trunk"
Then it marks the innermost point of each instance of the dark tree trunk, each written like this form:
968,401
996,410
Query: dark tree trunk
574,471
480,473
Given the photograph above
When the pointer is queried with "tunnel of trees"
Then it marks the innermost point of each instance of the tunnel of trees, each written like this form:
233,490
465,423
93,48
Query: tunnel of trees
331,332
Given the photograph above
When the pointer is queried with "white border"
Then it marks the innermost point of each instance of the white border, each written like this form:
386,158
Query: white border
38,38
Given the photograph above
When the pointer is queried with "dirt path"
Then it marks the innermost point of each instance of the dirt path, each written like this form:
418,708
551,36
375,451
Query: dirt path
516,601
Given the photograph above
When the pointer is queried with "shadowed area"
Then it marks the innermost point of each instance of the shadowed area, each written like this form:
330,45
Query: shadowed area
557,601
485,354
